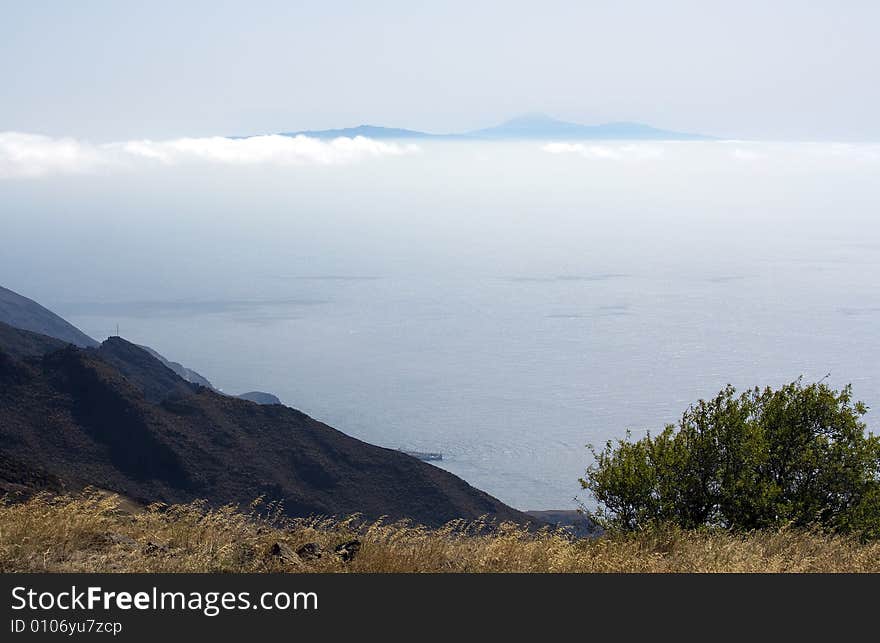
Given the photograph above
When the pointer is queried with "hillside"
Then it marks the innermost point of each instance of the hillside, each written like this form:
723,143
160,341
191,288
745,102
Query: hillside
24,313
20,343
182,371
118,419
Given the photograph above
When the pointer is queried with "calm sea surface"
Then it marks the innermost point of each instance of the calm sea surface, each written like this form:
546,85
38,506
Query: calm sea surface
502,304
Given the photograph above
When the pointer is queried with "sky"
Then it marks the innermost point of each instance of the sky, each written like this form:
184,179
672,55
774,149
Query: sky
111,71
464,292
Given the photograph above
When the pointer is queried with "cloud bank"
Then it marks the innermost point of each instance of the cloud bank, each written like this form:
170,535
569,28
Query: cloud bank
736,151
33,155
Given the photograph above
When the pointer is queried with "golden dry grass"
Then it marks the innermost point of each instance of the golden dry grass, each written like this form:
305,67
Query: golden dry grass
96,533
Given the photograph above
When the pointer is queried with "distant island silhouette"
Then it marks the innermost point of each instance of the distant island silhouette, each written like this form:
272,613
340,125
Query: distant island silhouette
528,126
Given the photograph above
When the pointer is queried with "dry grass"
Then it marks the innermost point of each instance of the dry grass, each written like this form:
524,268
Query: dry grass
97,533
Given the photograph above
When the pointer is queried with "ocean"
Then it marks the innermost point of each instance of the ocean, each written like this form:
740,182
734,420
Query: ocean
504,304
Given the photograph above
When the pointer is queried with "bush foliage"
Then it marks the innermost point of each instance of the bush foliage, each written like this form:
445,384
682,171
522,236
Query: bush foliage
764,459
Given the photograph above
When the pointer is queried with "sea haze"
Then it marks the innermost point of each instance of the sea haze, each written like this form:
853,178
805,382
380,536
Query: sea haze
504,303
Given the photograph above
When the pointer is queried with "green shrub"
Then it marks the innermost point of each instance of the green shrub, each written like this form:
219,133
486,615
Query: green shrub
767,458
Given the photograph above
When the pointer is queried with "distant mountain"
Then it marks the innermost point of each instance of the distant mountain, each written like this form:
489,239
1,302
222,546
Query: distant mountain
24,313
526,127
541,126
368,131
116,418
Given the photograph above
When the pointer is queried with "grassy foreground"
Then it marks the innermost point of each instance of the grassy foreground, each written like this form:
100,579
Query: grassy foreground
99,533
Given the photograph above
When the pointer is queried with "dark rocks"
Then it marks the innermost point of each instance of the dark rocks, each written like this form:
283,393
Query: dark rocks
120,539
154,549
348,550
283,553
310,551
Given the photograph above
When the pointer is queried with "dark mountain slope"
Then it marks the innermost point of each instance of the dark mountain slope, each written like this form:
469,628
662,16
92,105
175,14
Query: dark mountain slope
17,477
182,371
156,380
27,314
20,312
82,417
21,343
157,377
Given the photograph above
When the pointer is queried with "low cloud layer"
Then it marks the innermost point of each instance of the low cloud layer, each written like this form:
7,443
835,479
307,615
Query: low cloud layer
736,151
279,150
33,155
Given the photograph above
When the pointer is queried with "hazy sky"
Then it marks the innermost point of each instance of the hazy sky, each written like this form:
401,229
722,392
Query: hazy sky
117,70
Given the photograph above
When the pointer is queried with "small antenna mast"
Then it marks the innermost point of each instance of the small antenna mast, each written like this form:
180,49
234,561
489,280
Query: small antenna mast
117,329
